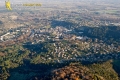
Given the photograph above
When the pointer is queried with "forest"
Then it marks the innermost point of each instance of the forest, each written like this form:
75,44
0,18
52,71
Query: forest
108,34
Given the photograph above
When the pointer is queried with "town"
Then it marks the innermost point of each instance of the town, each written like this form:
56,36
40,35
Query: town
37,40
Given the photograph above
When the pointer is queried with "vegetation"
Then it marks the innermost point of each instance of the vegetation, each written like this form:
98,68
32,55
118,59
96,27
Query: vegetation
19,60
108,34
77,71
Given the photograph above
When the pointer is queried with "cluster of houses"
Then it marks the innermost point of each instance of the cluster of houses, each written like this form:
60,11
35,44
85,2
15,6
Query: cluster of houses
63,50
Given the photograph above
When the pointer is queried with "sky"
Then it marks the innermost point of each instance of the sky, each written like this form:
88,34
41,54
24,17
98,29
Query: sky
53,1
2,1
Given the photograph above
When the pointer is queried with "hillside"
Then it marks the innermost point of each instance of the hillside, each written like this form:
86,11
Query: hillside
77,71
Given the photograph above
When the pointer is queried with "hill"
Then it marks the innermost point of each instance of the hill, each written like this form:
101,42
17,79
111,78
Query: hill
77,71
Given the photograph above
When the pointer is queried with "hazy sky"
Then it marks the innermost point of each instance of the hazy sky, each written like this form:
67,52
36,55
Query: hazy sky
57,0
50,1
1,1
